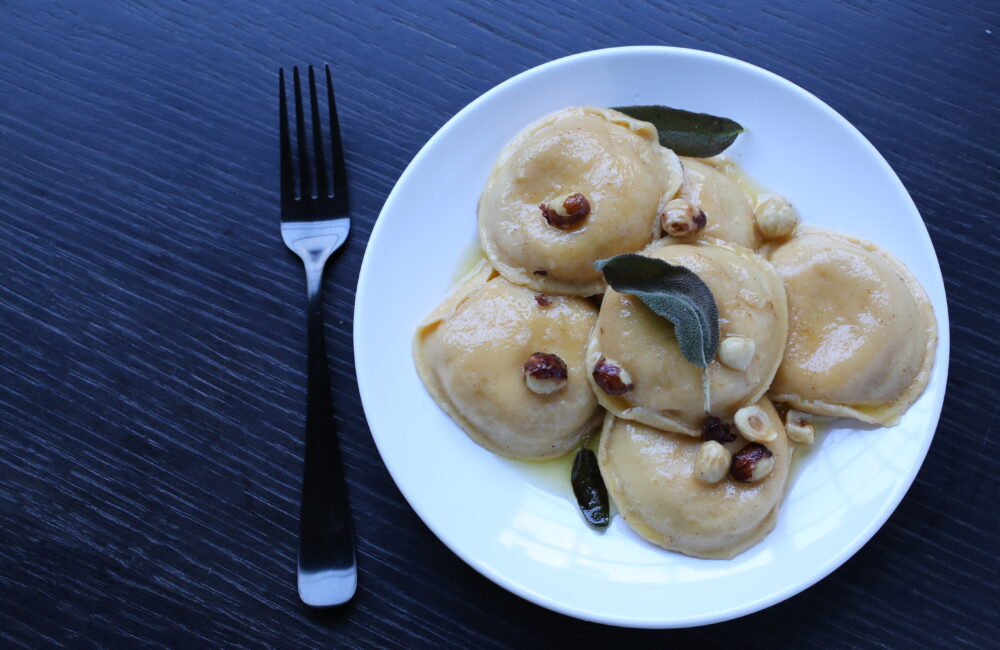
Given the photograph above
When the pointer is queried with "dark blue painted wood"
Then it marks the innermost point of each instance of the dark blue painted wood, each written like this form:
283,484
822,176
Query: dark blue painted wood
152,342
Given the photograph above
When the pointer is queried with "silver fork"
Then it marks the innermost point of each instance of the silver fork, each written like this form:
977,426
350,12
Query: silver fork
314,223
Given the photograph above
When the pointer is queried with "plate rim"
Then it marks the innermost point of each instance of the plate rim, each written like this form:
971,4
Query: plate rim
824,569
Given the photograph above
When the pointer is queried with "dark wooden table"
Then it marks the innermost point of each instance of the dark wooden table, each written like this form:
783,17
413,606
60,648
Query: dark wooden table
152,341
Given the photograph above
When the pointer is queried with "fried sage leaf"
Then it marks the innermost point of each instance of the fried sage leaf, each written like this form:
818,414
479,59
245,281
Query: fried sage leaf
677,294
698,135
673,292
588,486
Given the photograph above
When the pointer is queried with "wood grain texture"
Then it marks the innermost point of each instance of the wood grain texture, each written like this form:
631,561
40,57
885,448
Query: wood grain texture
152,339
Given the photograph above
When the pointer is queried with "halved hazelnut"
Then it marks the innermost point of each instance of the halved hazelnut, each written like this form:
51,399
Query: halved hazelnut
752,463
612,378
711,463
545,373
681,218
754,424
715,429
799,427
737,352
566,211
775,217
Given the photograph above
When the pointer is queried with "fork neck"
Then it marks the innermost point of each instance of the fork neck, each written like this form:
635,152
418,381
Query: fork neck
313,242
314,251
314,280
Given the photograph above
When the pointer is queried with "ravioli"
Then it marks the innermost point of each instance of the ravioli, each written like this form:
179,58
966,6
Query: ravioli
650,475
528,366
862,331
471,351
667,392
727,206
614,161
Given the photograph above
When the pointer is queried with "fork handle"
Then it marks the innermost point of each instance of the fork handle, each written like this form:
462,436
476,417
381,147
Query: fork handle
327,570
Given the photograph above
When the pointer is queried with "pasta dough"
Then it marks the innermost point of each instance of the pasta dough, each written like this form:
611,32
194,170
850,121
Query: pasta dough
668,388
862,331
727,206
650,476
616,162
470,353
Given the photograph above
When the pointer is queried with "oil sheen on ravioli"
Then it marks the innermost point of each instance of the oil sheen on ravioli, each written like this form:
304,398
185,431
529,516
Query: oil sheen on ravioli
667,391
650,476
470,353
616,162
861,329
711,184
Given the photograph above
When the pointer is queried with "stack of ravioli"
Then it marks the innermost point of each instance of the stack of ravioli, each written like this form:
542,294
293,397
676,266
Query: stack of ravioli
835,327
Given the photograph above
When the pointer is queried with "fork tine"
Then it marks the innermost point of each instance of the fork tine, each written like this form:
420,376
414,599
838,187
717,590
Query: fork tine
321,186
305,182
337,158
287,175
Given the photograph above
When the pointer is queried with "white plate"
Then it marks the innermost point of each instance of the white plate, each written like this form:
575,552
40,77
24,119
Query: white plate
518,528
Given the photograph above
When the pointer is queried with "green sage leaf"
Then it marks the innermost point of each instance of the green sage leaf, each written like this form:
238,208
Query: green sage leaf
698,135
588,486
673,292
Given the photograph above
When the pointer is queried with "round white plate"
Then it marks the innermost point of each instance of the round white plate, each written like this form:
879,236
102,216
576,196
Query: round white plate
519,528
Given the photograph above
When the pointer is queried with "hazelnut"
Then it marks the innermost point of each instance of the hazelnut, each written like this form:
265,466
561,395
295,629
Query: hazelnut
752,463
737,352
545,373
566,211
799,427
715,429
754,424
612,378
711,463
775,217
682,218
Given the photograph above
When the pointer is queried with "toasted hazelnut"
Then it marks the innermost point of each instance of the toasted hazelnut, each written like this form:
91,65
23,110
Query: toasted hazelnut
775,217
711,463
754,424
545,373
612,378
737,352
715,429
799,427
566,211
682,218
752,463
